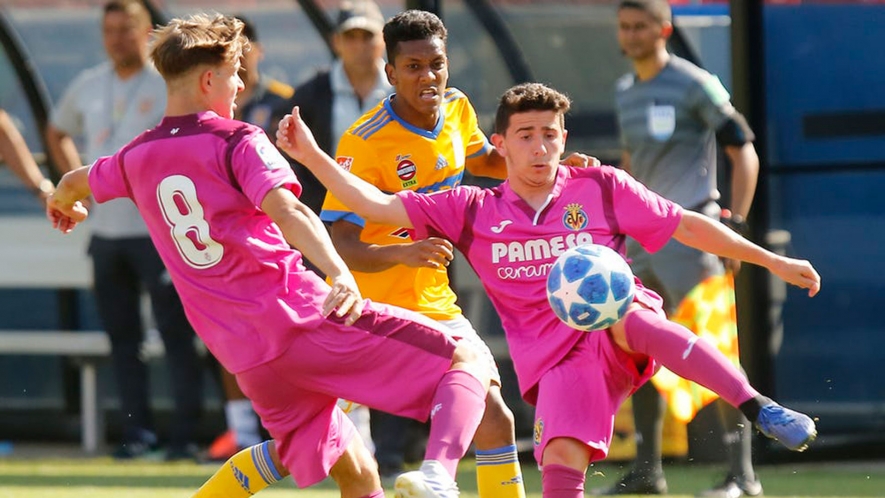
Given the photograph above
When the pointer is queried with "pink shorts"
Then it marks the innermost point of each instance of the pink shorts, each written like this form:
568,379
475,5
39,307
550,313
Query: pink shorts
391,359
578,398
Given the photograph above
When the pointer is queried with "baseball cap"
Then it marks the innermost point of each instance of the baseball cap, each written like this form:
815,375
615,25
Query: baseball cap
360,14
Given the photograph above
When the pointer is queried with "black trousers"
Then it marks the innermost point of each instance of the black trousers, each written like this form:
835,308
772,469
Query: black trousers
123,268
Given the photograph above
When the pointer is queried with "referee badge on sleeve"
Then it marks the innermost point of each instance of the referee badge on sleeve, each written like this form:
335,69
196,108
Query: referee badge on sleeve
661,122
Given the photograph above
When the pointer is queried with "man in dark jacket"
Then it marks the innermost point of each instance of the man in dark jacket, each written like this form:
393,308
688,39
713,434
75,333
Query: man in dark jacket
334,98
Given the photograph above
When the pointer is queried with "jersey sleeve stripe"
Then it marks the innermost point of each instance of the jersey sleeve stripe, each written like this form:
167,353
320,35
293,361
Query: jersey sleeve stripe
372,123
330,216
447,183
486,147
452,94
368,132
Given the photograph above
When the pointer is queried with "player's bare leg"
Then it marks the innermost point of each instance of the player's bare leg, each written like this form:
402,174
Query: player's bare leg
356,472
565,462
498,473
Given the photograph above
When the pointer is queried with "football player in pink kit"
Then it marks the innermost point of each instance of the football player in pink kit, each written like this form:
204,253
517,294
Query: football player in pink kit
512,234
221,206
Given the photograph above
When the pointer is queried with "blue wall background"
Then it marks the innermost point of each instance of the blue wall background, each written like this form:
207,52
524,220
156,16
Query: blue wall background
827,191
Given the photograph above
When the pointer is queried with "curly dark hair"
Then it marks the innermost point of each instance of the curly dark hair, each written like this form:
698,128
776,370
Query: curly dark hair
412,25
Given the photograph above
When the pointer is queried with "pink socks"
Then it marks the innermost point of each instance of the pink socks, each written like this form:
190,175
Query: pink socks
458,406
681,351
559,481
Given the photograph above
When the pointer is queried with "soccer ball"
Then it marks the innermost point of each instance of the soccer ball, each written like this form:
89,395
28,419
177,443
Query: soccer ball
590,287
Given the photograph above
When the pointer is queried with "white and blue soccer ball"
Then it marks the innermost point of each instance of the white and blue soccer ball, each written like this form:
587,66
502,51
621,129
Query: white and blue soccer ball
590,287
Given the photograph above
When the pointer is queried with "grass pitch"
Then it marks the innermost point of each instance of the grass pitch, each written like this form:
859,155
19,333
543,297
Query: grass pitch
104,478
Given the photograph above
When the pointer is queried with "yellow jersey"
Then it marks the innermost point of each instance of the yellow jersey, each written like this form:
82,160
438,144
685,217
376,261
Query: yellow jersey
394,155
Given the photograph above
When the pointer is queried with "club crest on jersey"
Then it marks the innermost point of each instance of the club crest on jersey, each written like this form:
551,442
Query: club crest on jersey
345,162
406,170
575,218
661,122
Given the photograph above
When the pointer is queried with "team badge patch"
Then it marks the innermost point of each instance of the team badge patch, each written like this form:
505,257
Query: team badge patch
661,122
406,170
538,431
269,154
575,218
345,162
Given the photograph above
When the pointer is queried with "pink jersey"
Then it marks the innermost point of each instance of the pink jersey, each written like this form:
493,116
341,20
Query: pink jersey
198,181
511,247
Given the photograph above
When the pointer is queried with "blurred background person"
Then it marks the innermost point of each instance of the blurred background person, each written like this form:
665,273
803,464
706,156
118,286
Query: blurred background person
334,98
671,115
105,107
262,94
18,158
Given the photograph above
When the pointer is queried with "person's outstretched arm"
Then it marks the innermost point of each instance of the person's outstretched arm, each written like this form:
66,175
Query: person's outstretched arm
698,231
303,230
63,208
295,139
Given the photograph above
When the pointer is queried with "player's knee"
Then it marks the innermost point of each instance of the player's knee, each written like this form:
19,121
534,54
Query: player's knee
618,331
356,470
465,353
568,452
468,358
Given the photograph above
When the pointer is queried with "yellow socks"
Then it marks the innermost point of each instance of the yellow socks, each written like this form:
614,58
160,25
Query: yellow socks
243,475
498,474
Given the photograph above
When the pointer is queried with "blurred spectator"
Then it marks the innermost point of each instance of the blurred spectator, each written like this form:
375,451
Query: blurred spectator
107,106
262,94
334,98
14,152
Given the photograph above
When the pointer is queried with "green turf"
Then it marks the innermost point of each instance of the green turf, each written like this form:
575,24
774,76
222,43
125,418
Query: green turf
103,478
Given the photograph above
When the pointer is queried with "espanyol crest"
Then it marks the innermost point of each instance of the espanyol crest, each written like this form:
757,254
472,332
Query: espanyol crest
661,122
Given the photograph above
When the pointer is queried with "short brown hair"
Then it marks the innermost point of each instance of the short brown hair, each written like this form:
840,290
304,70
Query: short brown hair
530,97
658,9
184,44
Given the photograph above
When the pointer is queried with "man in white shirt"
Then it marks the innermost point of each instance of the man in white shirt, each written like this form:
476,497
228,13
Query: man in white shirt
105,107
